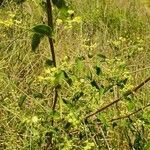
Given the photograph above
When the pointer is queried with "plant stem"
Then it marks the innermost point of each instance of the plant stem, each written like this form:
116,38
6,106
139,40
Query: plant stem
50,23
129,92
51,43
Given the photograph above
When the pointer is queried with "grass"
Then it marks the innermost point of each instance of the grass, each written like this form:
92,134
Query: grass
104,51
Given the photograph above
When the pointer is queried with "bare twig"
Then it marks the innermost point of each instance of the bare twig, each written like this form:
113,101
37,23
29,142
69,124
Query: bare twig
117,100
128,115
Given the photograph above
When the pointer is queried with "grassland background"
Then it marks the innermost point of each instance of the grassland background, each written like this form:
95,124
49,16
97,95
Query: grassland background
115,28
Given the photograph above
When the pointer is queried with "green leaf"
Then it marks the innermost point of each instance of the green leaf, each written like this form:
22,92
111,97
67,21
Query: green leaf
101,90
67,78
131,105
59,77
77,96
21,100
55,114
146,121
102,118
59,3
79,63
38,95
122,83
98,70
63,13
36,39
68,125
49,62
114,125
94,84
67,103
109,88
43,29
138,143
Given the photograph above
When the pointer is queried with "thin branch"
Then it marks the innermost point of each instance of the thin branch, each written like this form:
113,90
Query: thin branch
129,92
140,85
50,23
126,116
51,43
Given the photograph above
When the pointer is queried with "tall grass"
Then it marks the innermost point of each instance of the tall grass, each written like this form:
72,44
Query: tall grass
109,35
